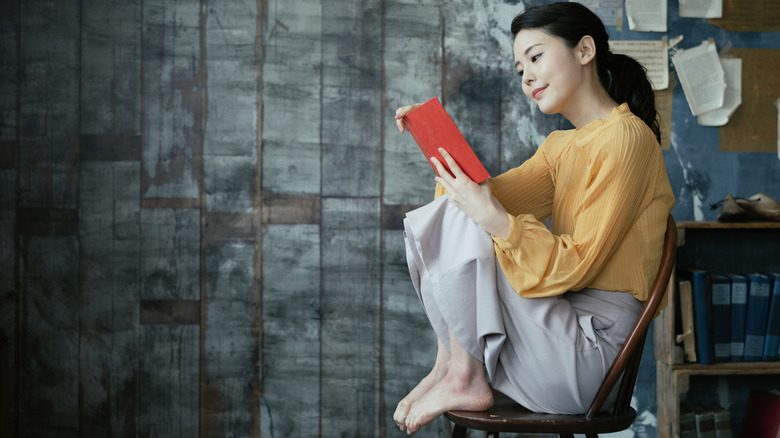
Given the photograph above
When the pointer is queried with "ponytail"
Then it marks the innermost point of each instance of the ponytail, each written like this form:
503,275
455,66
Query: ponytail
627,82
622,76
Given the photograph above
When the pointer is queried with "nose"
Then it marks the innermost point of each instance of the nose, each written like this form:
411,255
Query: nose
528,77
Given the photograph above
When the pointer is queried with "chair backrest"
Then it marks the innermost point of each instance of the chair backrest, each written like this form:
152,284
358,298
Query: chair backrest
626,363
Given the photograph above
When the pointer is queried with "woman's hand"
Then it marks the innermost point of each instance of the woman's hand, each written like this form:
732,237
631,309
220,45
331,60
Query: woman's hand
401,112
476,200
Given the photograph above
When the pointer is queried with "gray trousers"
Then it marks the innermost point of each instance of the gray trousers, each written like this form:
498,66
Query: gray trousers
548,354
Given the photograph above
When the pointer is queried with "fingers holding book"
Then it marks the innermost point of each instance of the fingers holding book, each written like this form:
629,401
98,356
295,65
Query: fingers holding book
476,200
401,112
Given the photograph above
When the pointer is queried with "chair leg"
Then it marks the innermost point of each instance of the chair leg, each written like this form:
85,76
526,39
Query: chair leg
459,431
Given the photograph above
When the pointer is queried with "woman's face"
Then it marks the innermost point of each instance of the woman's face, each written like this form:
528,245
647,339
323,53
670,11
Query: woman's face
550,71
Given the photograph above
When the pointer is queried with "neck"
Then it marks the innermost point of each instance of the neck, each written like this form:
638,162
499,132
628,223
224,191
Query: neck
592,103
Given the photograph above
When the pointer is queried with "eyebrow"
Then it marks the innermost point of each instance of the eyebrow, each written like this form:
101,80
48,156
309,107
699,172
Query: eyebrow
528,50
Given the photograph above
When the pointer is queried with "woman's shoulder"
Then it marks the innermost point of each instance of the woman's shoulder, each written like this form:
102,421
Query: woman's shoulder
556,141
628,129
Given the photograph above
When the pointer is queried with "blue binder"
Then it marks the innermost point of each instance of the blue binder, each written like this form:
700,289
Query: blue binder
721,316
702,312
772,341
757,313
739,293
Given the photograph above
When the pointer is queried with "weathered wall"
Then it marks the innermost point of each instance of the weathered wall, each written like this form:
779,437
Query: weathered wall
200,205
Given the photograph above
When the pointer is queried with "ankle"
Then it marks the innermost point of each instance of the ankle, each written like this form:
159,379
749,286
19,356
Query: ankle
466,377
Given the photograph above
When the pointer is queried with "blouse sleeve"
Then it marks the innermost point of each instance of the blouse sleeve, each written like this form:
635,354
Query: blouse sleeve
538,263
527,189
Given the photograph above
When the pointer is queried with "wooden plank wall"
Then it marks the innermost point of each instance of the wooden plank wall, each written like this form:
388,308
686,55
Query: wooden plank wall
201,206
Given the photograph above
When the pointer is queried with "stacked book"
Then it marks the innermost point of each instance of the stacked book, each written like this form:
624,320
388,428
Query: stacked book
704,421
728,317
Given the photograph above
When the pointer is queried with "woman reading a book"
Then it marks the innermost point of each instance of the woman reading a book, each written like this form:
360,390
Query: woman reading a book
543,312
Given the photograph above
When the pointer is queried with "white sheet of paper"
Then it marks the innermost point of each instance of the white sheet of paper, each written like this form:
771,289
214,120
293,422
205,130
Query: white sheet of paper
732,69
653,55
701,77
646,15
610,11
777,104
701,8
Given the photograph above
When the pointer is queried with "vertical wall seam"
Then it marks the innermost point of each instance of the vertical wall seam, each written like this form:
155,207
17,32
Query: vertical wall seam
382,130
203,74
322,202
17,238
79,282
257,379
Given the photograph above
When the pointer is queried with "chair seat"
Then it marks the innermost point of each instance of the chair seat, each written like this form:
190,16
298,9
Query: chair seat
508,416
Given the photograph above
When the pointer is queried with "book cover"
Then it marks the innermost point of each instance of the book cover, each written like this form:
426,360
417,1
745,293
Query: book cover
722,419
686,333
705,421
432,128
739,288
762,414
721,316
772,341
702,309
687,422
757,312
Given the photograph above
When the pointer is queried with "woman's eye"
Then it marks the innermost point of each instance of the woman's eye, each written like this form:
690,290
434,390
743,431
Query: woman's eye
520,73
536,57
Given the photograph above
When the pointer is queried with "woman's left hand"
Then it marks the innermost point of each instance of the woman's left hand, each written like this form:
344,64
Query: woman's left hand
476,200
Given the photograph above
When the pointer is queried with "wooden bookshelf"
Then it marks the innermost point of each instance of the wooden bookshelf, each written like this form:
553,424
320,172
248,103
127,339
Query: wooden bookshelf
717,246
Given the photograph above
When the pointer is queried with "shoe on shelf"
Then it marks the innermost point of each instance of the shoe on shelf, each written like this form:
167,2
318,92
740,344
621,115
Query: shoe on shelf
760,207
730,210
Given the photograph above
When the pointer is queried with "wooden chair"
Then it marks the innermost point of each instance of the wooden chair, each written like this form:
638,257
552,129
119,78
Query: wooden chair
508,416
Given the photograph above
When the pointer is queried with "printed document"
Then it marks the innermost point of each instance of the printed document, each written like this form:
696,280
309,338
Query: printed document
701,77
646,15
732,69
653,55
701,8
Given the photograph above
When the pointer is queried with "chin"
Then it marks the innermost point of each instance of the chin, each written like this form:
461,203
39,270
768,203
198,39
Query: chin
546,109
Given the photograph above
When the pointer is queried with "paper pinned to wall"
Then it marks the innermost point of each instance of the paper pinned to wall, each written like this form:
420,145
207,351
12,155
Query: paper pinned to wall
653,55
732,69
701,76
777,104
646,15
701,8
610,11
663,104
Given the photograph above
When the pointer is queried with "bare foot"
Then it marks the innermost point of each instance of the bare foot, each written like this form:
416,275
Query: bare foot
449,394
428,382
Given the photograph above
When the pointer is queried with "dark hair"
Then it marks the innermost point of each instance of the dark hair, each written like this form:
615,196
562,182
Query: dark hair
622,76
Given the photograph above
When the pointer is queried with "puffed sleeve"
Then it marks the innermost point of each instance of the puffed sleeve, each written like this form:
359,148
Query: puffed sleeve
527,189
538,263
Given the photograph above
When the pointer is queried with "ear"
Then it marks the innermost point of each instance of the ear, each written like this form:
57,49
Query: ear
586,50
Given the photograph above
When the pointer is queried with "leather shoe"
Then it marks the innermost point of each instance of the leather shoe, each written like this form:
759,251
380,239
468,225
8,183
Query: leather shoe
760,207
730,210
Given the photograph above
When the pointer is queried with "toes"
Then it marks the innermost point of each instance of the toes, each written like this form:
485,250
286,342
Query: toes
401,411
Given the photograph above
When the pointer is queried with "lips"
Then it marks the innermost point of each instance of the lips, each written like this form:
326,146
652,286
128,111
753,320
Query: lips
538,91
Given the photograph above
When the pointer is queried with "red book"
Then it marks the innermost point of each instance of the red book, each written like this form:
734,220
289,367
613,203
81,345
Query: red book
762,415
432,128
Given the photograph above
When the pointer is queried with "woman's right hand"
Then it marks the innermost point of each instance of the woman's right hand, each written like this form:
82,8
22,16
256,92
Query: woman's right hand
401,112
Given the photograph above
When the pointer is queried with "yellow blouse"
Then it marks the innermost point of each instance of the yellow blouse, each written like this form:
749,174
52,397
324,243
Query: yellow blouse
607,190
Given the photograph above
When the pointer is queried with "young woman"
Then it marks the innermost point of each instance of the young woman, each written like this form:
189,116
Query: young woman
544,312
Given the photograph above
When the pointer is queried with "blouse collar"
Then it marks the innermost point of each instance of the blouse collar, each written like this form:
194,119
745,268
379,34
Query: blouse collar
591,130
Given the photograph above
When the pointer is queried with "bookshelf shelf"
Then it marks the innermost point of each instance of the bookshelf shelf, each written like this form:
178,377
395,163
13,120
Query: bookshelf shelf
727,247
